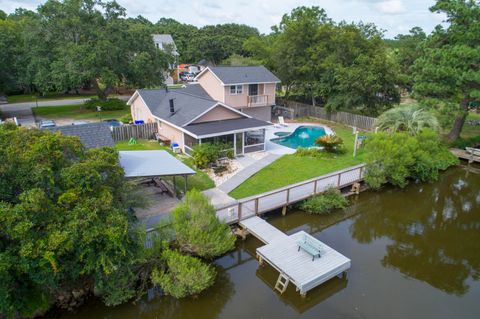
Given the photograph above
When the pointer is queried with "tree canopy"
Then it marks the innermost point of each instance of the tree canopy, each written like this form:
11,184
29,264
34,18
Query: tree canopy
448,70
65,222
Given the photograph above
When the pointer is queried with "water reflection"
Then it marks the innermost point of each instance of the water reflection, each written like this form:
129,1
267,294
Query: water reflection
434,238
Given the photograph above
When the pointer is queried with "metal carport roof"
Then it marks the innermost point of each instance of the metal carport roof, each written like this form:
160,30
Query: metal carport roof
152,163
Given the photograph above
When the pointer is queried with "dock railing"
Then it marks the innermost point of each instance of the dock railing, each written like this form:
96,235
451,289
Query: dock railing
290,194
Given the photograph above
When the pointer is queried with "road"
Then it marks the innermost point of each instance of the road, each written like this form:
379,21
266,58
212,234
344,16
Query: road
24,114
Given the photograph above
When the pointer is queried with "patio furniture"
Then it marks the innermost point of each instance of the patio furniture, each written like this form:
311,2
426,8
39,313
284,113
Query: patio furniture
310,246
281,121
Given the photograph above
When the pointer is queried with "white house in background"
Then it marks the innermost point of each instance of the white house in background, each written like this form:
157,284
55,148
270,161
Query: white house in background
165,43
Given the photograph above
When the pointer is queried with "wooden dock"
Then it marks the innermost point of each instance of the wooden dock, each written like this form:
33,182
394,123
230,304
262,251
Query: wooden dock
463,154
294,265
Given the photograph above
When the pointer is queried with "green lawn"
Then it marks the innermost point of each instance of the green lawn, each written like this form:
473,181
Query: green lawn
76,112
48,97
468,130
291,169
200,181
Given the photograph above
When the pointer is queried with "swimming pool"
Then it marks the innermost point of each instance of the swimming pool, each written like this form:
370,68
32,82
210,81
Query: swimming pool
303,136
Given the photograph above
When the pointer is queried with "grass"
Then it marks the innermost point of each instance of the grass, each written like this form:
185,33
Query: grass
468,130
48,97
76,112
200,181
291,169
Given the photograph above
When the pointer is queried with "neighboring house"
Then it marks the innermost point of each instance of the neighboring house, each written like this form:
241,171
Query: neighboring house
189,116
92,135
250,89
165,43
203,64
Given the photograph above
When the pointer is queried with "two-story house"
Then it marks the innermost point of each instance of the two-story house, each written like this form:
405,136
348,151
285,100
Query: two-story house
165,43
250,89
231,105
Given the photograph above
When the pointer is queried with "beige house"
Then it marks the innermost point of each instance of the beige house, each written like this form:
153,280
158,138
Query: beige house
250,89
189,116
230,105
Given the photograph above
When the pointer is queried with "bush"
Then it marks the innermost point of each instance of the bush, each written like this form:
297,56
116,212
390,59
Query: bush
325,202
184,276
399,157
126,119
198,229
307,152
330,143
108,105
207,153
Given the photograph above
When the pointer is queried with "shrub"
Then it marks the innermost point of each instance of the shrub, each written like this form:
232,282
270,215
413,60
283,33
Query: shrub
207,153
204,154
108,105
307,152
398,157
184,275
330,143
324,203
126,119
198,229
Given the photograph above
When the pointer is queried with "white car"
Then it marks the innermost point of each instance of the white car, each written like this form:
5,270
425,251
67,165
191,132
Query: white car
47,123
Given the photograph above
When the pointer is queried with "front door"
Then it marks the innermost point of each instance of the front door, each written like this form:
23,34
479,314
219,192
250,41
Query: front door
253,89
238,144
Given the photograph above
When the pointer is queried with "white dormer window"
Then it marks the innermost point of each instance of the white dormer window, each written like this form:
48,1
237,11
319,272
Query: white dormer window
236,89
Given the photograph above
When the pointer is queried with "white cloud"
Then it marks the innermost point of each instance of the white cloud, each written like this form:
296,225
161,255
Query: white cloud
391,7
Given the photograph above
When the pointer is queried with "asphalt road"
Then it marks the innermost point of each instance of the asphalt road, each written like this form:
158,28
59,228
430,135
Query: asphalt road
24,114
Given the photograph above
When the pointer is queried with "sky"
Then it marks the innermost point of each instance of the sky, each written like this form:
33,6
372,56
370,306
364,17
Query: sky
393,16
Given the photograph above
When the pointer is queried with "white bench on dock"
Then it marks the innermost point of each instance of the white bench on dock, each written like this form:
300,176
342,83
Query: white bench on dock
281,252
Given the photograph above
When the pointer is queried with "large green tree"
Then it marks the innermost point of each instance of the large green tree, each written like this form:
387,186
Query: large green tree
65,224
89,42
449,70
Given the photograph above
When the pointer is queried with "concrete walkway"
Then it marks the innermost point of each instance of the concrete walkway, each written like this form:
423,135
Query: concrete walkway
247,172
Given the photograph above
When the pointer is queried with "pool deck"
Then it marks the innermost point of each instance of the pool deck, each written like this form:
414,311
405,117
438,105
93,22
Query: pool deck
293,264
275,148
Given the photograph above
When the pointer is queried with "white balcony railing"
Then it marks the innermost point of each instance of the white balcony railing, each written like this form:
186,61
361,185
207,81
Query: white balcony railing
257,100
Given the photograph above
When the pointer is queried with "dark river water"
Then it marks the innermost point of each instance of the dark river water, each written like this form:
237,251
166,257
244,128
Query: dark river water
415,254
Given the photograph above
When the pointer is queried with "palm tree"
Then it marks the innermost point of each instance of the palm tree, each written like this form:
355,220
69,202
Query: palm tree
411,119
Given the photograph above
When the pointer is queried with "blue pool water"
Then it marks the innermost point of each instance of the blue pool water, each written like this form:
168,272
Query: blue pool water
303,136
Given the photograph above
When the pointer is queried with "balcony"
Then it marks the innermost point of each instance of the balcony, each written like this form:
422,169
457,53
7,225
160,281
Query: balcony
257,100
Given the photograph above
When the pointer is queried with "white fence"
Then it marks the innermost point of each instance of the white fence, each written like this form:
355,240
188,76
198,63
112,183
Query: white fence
287,195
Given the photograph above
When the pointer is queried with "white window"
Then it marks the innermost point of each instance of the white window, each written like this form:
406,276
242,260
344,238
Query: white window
236,89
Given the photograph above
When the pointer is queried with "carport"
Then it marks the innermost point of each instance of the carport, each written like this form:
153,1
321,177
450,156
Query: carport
154,164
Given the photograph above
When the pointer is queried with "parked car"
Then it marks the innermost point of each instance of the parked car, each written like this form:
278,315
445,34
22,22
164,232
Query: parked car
113,122
47,123
190,77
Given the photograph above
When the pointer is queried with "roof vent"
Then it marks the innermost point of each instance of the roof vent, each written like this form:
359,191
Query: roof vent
172,106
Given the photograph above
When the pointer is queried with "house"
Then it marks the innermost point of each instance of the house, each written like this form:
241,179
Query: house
189,116
249,89
92,135
165,43
203,64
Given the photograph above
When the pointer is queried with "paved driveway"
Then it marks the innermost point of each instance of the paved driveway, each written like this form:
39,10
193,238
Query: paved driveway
24,114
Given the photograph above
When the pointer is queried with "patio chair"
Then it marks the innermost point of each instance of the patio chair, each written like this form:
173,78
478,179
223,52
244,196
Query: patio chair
281,121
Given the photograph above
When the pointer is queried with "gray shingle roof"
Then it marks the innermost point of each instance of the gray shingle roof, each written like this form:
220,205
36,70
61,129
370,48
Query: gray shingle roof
165,39
91,135
189,103
243,74
225,126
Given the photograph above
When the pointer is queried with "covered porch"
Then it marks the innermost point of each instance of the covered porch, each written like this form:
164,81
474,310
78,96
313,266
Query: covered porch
245,135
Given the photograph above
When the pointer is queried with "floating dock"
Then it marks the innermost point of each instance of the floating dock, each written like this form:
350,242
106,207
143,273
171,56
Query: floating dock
296,266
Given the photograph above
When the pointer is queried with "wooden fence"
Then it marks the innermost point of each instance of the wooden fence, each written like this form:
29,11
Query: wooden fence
125,132
292,109
265,202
